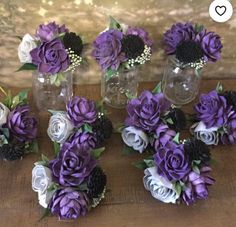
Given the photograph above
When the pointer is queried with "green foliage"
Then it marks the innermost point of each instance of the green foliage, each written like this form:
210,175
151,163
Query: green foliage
157,89
128,150
56,148
198,27
176,138
44,161
97,153
46,213
27,66
110,73
219,88
114,24
88,128
179,186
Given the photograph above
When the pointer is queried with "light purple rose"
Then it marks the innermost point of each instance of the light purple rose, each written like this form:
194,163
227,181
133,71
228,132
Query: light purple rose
69,204
47,32
107,49
50,57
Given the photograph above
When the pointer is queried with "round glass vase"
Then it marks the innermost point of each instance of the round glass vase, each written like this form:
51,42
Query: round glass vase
52,91
180,83
116,88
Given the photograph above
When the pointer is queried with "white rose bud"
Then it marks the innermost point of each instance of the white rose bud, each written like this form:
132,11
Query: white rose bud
160,188
27,44
45,198
4,111
209,136
59,128
135,138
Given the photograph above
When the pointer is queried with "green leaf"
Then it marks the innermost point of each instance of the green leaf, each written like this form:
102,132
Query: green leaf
198,28
149,162
53,112
176,138
19,37
88,128
198,71
46,213
170,121
157,89
56,148
59,79
129,96
27,66
140,165
128,150
5,132
96,153
8,99
54,187
196,169
44,162
119,129
219,88
114,24
178,187
83,187
110,73
34,147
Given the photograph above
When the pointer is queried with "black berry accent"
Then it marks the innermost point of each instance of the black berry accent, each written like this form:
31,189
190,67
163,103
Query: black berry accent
12,151
178,118
73,41
230,97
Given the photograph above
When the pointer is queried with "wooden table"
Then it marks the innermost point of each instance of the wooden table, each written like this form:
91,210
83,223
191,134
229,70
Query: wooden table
127,203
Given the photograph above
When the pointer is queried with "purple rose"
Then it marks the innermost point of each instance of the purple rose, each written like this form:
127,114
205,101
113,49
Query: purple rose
172,162
162,136
69,204
21,125
72,166
50,57
142,34
81,110
144,112
196,185
230,137
84,140
107,49
178,34
210,44
212,109
47,32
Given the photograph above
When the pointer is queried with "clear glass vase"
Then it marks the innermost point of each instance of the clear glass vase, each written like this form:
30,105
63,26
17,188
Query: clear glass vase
116,88
180,83
52,91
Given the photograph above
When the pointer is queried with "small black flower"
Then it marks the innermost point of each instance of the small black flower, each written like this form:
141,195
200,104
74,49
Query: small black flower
230,97
178,118
133,46
188,52
12,151
96,183
198,150
74,42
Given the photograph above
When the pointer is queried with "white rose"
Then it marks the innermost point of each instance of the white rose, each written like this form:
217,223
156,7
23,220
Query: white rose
209,136
27,44
59,128
135,138
4,111
160,188
45,198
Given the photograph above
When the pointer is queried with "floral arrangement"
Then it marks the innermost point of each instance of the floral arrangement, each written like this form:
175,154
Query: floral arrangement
216,117
84,123
192,44
177,171
18,128
71,184
52,50
121,47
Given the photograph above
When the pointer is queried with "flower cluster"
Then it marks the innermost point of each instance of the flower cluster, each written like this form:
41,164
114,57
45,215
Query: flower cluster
53,49
18,128
176,171
70,184
122,46
192,43
82,124
216,114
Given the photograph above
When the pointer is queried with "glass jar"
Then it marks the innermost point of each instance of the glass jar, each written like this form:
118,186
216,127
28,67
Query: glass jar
52,91
116,88
180,83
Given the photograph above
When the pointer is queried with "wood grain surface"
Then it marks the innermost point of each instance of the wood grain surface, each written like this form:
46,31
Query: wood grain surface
127,204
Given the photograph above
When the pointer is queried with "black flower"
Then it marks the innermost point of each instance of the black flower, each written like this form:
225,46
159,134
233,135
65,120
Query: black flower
96,183
74,42
188,52
133,46
198,150
12,151
230,97
178,118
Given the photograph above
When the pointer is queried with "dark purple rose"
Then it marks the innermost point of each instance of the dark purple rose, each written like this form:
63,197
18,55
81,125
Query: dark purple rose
69,204
72,166
230,137
212,109
144,112
21,124
210,44
84,140
107,49
50,57
142,34
81,110
47,32
178,34
162,136
172,162
196,185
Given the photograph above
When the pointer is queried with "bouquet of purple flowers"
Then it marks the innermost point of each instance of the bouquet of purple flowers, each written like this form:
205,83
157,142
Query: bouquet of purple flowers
18,128
216,116
192,44
121,47
52,50
176,170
